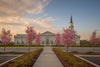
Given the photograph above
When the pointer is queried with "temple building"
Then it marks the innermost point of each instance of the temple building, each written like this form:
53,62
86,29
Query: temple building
47,38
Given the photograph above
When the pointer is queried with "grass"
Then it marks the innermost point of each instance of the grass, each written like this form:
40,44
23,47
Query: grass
90,52
12,52
86,46
21,45
58,45
74,52
2,53
80,64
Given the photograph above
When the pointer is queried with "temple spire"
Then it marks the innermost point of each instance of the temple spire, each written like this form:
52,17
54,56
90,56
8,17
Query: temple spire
71,18
71,13
71,23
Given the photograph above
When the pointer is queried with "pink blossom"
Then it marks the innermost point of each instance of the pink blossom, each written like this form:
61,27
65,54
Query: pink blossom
37,40
6,37
68,37
94,40
30,35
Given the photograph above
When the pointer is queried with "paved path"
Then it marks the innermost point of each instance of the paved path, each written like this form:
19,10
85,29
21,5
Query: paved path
47,59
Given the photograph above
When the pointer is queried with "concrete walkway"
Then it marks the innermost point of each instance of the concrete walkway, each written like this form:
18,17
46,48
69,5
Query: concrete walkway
48,59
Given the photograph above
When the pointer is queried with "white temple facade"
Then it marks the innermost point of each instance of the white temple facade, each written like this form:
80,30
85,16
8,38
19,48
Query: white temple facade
47,38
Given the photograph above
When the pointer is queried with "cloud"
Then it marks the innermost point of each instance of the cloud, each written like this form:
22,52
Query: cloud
20,24
22,7
12,16
46,23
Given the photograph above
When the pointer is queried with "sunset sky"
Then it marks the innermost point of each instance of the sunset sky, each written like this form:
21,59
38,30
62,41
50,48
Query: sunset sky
50,15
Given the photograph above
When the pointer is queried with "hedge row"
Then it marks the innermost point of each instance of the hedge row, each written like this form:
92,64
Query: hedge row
85,45
26,60
70,61
21,45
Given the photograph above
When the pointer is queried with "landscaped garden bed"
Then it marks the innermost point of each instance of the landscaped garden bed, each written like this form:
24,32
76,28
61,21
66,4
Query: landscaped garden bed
27,60
69,60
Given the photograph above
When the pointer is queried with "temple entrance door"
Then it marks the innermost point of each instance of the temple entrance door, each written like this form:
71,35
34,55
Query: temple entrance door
47,41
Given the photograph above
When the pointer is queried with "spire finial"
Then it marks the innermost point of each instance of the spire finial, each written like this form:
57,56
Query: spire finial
71,13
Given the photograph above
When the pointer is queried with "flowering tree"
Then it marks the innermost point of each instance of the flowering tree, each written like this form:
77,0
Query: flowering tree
5,37
57,39
94,40
68,38
37,40
30,36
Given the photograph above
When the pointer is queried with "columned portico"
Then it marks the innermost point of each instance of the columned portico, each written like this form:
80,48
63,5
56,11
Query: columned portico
47,38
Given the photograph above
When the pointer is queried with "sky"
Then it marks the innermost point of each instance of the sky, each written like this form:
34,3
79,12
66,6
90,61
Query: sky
50,15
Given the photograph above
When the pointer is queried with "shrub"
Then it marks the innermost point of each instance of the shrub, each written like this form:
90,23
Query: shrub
80,64
90,52
2,53
57,45
72,60
66,58
74,52
14,52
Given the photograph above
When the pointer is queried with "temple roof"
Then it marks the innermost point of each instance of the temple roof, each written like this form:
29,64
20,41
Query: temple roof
47,33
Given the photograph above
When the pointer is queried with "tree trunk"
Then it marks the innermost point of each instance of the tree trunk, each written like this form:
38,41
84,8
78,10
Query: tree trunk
29,48
67,49
4,48
58,46
94,48
37,46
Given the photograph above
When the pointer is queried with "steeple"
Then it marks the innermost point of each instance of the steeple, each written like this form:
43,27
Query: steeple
71,18
71,27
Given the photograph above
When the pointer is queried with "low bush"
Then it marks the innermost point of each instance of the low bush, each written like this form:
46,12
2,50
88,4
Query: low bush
74,52
90,52
26,60
65,58
2,53
85,45
14,52
21,45
72,60
80,64
58,45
